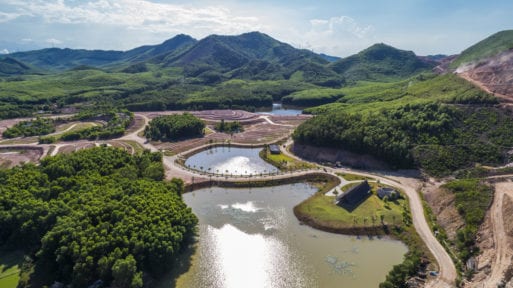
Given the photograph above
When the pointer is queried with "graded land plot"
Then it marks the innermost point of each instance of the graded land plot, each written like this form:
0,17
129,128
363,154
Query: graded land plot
289,120
10,157
73,127
136,124
257,131
67,149
7,123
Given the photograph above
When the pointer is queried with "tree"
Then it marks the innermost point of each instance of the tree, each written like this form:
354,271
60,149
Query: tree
125,274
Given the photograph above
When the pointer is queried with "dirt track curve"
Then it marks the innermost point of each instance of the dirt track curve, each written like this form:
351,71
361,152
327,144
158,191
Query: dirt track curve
504,252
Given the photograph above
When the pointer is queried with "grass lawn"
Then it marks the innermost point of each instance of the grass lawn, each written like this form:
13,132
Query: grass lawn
77,127
284,162
9,268
353,177
324,211
138,148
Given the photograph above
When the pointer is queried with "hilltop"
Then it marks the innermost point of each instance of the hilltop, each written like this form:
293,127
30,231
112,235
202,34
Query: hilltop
495,44
489,64
381,62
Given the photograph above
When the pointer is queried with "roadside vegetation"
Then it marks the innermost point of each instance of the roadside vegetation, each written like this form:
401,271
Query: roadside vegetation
472,199
123,220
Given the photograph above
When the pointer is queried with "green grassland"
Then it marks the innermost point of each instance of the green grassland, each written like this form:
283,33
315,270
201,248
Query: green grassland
425,88
322,210
353,177
284,162
10,262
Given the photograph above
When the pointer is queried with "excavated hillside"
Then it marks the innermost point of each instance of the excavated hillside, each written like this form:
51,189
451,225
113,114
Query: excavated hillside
494,74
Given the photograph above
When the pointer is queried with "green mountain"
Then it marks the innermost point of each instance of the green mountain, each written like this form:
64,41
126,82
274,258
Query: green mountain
380,62
248,56
491,46
56,59
10,66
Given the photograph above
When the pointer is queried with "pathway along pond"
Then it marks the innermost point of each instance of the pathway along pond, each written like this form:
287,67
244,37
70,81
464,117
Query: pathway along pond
249,237
230,160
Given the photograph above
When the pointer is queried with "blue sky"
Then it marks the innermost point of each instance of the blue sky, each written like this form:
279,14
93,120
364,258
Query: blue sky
338,27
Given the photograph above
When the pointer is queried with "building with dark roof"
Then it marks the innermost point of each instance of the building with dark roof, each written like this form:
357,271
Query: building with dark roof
274,149
353,197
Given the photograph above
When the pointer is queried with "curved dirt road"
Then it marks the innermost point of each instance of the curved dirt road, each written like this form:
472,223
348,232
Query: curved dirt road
503,252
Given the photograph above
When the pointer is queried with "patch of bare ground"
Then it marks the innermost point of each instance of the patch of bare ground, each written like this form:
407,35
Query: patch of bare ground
6,123
441,202
67,149
254,134
495,242
10,157
136,124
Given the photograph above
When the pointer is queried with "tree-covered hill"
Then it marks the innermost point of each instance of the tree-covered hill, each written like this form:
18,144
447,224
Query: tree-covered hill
380,62
10,66
439,124
56,59
499,42
97,214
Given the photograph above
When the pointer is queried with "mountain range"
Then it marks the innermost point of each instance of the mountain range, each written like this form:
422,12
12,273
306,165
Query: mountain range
251,55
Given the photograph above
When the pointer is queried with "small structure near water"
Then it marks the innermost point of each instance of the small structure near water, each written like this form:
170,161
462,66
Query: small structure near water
353,197
274,149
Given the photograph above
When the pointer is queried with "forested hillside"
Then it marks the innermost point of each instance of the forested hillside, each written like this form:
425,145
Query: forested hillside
247,71
97,214
438,130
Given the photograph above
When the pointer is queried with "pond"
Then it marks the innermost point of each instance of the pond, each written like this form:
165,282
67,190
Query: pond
250,238
230,160
279,109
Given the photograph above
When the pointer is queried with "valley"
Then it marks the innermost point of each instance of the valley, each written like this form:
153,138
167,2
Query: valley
382,115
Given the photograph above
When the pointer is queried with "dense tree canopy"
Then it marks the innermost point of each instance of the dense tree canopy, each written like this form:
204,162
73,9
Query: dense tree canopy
172,127
38,126
440,138
97,214
229,127
116,123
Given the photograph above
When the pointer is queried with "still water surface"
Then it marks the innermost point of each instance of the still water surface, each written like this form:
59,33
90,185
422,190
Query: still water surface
230,160
279,109
250,238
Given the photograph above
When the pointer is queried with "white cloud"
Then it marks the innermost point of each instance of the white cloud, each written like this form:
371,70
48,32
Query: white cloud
335,25
140,15
53,41
4,51
6,17
339,36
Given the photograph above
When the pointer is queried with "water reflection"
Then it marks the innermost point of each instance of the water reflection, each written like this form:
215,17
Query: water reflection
230,160
254,240
279,109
